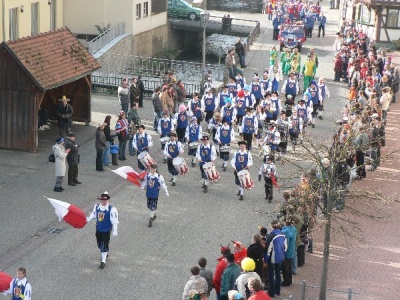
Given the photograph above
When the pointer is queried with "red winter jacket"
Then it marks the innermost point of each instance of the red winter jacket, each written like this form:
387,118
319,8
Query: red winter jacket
219,269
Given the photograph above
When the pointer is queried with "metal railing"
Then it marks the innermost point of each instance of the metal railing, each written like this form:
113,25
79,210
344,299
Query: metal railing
109,84
129,65
100,41
303,285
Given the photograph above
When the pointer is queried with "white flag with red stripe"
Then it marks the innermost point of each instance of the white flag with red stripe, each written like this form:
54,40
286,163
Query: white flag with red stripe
131,175
70,213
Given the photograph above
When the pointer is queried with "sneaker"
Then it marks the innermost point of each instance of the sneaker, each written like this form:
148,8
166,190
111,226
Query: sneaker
61,188
102,265
57,189
41,128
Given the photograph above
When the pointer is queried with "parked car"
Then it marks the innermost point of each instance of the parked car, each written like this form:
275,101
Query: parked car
182,9
291,36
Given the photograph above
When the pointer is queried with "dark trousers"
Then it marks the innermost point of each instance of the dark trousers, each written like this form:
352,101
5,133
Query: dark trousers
321,27
269,189
122,148
248,138
287,272
103,240
180,132
275,34
301,257
72,173
360,160
274,279
99,159
63,129
338,75
309,32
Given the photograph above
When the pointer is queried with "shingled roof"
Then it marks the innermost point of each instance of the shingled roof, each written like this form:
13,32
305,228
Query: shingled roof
53,58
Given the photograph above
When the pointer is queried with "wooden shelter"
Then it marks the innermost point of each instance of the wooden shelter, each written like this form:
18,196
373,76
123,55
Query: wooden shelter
37,71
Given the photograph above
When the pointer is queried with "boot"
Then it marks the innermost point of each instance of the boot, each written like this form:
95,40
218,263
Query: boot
70,181
57,189
114,159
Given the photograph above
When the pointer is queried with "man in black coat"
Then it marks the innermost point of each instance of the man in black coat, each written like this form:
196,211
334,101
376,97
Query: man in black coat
72,159
141,90
64,113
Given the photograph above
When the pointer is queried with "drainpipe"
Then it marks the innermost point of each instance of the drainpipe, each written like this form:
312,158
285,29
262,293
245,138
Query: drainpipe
3,5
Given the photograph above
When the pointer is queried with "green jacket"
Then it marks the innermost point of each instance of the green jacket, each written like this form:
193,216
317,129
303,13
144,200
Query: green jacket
231,273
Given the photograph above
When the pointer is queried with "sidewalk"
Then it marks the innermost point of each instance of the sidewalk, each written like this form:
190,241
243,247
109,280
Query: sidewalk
367,262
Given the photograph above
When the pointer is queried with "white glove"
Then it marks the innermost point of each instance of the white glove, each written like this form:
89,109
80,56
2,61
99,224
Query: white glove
88,219
166,193
115,233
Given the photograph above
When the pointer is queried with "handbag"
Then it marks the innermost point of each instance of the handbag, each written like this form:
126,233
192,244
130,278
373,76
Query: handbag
52,158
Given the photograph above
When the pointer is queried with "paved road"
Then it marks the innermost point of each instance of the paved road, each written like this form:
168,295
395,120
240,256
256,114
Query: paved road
144,263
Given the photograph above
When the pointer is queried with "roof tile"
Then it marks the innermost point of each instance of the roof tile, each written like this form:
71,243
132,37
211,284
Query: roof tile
53,58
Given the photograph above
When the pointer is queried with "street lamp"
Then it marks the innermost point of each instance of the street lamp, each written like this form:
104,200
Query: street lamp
204,16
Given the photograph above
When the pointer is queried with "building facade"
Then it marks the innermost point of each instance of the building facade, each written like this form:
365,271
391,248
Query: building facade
146,20
22,18
379,19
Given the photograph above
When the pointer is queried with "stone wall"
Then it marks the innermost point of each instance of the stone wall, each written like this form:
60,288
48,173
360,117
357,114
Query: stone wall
116,59
151,42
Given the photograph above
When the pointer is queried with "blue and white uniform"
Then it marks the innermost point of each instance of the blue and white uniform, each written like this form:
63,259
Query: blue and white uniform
165,126
205,153
19,289
241,160
225,136
152,184
142,142
172,149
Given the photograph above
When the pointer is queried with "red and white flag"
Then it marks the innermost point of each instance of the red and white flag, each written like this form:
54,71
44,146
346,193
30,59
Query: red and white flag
131,175
5,281
69,213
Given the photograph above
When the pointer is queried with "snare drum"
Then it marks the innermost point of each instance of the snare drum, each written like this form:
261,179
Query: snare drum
145,159
245,180
225,148
164,140
211,172
193,145
180,165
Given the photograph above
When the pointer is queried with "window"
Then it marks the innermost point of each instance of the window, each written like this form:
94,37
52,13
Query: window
35,18
158,6
53,11
13,33
145,9
138,10
393,19
366,16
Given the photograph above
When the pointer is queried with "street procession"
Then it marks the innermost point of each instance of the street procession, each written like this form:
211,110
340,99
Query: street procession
220,192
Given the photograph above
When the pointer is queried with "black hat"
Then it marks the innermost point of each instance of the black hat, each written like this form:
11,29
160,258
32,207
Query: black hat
283,112
71,134
172,134
275,93
141,126
242,143
205,138
249,109
104,196
302,100
263,231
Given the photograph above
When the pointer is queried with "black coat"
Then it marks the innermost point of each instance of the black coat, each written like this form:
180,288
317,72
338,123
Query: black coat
64,114
73,155
256,252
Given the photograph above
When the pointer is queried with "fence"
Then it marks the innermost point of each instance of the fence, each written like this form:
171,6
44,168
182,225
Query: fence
109,84
100,41
303,285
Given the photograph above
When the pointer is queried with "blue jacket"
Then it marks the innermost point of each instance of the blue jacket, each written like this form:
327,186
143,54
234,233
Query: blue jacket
276,22
322,20
290,233
276,246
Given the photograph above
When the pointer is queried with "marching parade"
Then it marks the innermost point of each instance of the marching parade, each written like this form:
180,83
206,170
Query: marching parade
251,126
